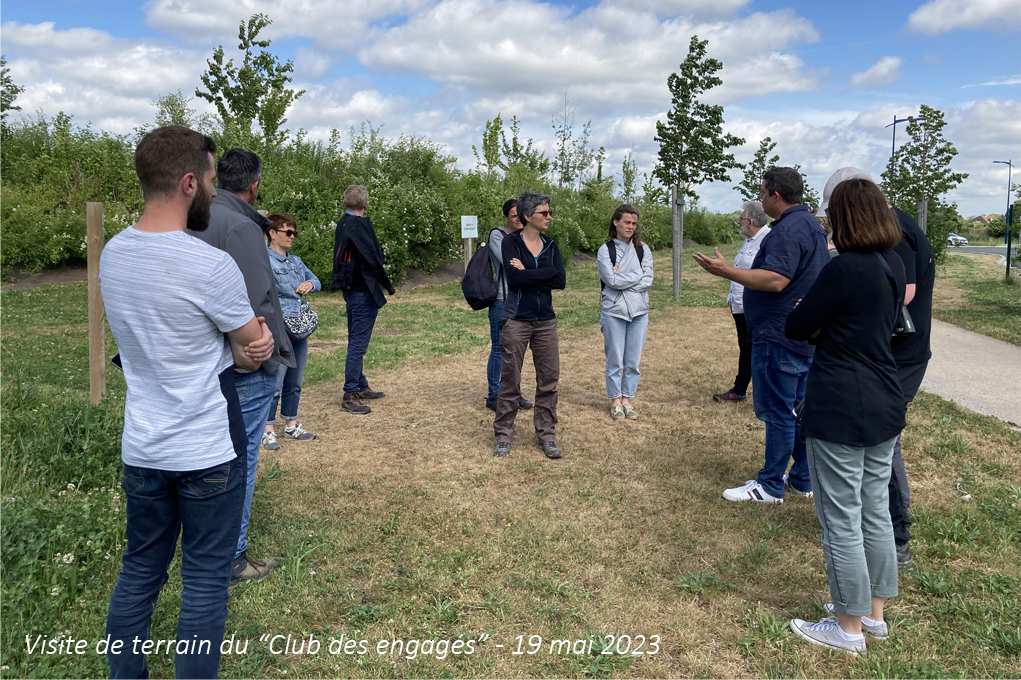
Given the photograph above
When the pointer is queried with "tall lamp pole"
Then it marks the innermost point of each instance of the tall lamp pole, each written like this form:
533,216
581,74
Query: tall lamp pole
1009,214
893,144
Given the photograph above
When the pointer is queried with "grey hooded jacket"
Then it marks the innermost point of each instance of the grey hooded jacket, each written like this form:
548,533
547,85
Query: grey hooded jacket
626,294
236,227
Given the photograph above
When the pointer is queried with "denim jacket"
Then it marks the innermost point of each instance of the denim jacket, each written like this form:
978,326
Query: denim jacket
289,273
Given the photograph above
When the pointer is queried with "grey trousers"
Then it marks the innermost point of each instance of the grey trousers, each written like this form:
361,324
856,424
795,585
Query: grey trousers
852,502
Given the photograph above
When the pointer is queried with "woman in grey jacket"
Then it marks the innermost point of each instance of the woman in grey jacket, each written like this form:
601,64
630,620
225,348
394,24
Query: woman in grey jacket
626,275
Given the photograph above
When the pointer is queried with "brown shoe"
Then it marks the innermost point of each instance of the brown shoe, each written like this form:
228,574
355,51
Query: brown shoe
246,568
352,404
369,395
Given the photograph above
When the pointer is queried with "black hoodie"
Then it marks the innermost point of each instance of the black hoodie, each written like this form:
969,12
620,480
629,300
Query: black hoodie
532,286
358,257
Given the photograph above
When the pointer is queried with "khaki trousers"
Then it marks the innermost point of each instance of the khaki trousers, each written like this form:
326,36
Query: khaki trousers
515,339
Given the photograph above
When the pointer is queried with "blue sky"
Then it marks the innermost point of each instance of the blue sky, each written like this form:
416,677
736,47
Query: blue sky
822,79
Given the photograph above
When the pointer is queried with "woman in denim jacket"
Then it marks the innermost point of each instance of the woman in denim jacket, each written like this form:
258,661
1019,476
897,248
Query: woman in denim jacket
293,280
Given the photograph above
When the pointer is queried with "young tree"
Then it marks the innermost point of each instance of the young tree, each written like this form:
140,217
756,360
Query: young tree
522,156
692,146
629,178
8,90
172,109
810,196
751,184
255,91
490,158
921,167
573,156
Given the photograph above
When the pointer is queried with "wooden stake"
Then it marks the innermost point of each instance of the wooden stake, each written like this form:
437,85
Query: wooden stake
467,253
97,316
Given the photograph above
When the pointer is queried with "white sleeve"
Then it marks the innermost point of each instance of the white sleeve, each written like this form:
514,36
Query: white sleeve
225,299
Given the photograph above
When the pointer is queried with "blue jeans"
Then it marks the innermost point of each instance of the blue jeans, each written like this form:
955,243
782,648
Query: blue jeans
361,317
255,391
779,376
207,505
495,365
288,390
623,342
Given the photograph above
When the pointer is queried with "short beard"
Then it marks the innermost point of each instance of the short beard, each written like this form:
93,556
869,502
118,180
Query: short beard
198,211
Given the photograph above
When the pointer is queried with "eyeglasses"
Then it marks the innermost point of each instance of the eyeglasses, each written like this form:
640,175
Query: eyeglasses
545,213
289,233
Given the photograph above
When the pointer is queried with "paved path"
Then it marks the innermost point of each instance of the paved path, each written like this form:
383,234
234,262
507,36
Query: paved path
976,371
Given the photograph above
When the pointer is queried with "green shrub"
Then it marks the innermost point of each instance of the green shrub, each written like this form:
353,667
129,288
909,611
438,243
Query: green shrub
709,228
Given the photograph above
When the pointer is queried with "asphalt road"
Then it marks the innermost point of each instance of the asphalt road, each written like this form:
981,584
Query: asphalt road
990,250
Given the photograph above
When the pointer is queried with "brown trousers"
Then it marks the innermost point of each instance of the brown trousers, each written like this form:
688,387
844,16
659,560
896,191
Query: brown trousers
515,339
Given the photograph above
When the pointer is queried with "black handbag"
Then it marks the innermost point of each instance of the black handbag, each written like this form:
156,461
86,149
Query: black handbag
903,325
305,324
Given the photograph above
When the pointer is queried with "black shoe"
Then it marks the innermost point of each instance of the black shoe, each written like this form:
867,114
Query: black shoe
369,395
551,450
729,395
352,404
524,404
491,404
502,449
904,558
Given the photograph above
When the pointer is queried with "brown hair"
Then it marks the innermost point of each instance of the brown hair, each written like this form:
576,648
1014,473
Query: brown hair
861,219
278,221
167,154
626,209
356,197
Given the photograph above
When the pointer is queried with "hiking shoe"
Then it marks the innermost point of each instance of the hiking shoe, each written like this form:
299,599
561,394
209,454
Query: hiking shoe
502,449
788,487
269,441
751,491
877,629
245,568
369,395
298,432
524,404
617,411
729,395
904,558
491,405
551,450
827,634
352,404
629,412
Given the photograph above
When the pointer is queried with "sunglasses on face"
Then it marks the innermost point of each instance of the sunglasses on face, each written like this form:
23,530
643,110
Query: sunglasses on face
545,213
289,233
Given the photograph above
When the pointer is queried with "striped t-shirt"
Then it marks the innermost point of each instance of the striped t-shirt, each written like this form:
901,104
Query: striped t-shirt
169,299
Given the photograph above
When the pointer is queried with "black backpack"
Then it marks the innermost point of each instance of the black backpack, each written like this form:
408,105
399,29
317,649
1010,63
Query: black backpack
479,284
611,247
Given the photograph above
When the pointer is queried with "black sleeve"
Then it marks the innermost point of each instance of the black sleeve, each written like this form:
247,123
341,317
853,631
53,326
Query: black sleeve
821,303
372,254
543,278
907,250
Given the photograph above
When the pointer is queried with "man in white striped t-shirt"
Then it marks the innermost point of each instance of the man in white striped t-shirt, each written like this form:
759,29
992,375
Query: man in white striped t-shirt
180,314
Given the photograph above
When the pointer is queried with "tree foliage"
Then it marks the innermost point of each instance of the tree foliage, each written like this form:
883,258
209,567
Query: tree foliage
692,145
629,179
921,167
172,109
573,155
9,91
751,184
257,90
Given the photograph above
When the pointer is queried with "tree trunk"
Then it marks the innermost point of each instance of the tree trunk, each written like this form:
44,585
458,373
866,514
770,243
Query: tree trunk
923,215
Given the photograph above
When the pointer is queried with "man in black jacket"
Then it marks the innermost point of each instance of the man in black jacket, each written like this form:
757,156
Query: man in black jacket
236,227
534,269
358,270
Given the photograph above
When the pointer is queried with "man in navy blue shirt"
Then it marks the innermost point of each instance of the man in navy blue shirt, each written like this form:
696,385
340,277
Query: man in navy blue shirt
786,266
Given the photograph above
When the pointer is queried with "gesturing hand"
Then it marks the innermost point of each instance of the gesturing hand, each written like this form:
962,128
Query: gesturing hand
714,265
305,287
261,349
516,263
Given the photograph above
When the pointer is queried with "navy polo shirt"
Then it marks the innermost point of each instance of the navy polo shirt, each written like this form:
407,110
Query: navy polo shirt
796,248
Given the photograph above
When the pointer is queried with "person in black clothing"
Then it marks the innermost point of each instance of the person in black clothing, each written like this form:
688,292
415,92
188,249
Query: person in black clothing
911,352
358,270
534,268
853,412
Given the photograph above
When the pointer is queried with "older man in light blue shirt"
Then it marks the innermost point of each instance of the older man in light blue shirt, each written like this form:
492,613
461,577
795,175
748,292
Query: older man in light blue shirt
752,223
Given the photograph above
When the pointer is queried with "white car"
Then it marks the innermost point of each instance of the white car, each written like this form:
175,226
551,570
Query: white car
955,240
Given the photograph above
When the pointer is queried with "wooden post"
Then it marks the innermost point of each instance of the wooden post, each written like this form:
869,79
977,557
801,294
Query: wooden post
97,331
923,215
676,240
467,253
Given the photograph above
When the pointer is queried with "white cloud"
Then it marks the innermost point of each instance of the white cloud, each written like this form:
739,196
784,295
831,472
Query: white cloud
1010,80
883,71
941,16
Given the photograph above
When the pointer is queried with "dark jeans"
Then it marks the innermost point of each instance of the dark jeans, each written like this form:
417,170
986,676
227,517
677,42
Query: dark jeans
900,495
515,339
494,366
289,384
361,317
206,504
780,376
744,363
255,392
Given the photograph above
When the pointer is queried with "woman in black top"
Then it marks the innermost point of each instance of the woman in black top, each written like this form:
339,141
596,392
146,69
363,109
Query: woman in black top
853,412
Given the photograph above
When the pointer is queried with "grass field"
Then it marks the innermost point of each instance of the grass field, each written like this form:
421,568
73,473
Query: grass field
971,292
402,525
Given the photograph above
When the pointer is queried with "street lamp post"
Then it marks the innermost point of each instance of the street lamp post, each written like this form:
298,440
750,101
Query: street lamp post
893,144
1009,214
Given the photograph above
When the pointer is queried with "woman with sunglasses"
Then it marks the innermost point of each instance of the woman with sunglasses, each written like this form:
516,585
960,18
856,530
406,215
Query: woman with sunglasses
293,280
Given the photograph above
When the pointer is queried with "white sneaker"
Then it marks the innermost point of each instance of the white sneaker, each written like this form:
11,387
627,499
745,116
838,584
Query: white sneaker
269,441
788,487
878,630
751,491
827,634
